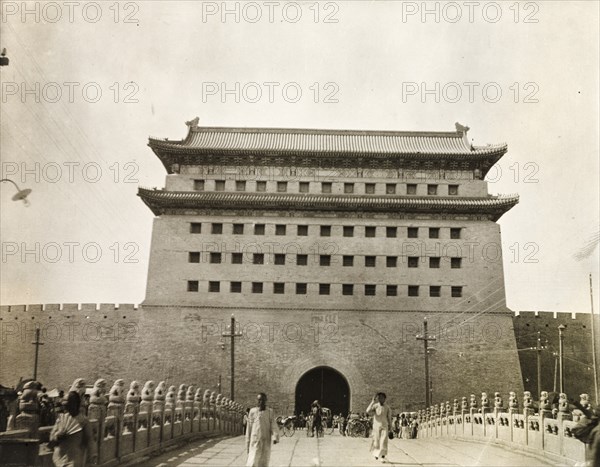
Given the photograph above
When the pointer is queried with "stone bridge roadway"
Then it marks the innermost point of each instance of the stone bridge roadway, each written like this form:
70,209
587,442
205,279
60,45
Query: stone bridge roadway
336,450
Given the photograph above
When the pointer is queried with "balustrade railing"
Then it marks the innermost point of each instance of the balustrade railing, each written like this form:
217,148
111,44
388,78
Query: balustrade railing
125,424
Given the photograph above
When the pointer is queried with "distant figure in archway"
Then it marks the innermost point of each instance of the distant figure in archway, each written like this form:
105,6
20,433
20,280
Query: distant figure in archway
382,425
262,428
317,419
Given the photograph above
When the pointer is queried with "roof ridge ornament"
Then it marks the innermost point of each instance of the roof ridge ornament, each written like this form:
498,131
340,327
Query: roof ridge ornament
193,123
462,129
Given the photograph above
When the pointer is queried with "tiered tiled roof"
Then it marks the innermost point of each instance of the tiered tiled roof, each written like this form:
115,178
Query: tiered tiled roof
159,201
299,146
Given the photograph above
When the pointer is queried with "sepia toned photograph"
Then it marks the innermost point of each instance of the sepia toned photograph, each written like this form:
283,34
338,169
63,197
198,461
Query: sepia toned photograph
299,233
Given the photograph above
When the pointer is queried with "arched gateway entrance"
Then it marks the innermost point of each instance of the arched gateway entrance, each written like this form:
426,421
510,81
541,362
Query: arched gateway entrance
326,385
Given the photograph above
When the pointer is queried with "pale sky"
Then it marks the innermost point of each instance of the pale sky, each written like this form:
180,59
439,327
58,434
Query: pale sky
373,58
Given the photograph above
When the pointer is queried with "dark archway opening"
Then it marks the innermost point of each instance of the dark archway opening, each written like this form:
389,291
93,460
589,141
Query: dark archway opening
326,385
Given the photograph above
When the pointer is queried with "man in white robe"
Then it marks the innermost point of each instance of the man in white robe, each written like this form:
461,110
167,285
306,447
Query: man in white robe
261,429
382,425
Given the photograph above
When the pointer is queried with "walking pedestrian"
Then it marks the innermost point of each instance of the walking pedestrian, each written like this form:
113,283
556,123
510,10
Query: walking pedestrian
72,436
382,425
261,430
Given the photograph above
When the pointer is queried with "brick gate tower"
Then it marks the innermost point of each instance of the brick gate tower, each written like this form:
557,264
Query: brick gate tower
330,247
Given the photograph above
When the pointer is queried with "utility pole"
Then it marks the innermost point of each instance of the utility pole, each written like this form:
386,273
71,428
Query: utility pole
425,338
594,363
561,375
232,335
538,349
37,344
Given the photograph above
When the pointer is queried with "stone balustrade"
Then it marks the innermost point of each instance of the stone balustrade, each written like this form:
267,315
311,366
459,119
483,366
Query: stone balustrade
543,428
127,424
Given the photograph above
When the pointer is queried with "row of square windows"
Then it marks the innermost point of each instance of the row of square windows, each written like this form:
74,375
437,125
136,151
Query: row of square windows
324,230
325,289
324,260
326,187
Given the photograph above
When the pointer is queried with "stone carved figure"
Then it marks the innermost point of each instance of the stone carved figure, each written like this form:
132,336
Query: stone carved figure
485,403
98,392
160,393
584,400
498,403
448,408
464,404
189,396
513,403
527,400
170,397
544,403
455,406
116,394
133,395
28,402
148,391
181,393
563,403
473,403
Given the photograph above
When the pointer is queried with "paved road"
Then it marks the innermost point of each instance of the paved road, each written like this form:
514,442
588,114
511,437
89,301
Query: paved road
335,450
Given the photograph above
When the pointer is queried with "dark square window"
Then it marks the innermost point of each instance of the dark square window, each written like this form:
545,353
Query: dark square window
370,188
348,231
326,187
370,261
238,229
435,291
348,261
413,261
257,287
194,257
259,229
325,260
278,287
281,187
240,185
370,231
192,286
391,232
214,286
455,233
434,232
347,289
325,231
301,260
391,290
217,229
301,289
258,258
348,187
303,230
219,185
280,229
215,258
261,186
432,189
413,290
456,291
195,227
390,188
235,287
237,258
391,261
199,185
324,289
370,289
453,190
304,187
455,263
413,232
280,259
434,263
411,189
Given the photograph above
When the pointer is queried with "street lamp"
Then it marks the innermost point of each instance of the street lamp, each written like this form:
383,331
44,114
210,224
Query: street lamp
21,195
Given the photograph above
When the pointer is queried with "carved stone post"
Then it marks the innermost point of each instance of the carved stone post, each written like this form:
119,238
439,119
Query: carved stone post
545,409
563,408
29,418
97,411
